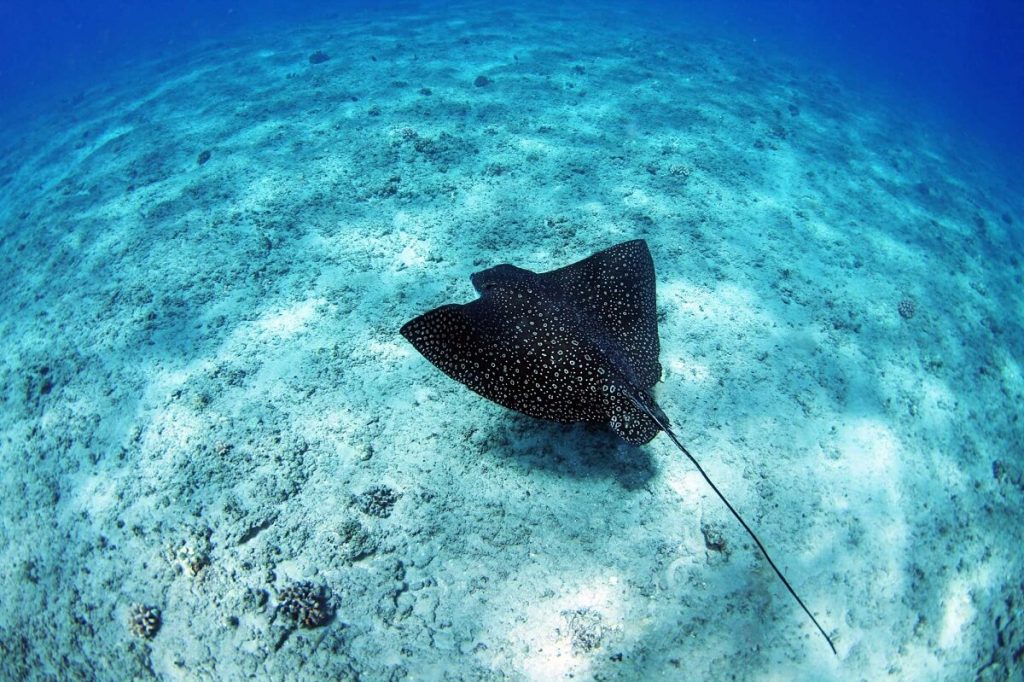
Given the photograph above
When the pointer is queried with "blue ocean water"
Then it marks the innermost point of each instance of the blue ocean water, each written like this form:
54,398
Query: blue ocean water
959,62
220,459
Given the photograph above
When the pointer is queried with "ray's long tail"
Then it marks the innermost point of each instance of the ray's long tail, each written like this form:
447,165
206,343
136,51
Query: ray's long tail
665,427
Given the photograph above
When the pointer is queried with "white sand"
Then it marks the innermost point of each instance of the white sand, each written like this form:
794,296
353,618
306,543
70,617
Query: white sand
202,370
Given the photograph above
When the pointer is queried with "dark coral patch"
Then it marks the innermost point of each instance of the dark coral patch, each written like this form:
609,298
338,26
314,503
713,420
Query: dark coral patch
376,501
305,604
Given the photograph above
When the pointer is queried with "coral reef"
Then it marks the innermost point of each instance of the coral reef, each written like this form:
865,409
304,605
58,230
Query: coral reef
376,501
144,621
907,308
304,603
191,553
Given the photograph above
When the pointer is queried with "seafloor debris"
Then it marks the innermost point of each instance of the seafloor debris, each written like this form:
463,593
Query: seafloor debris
354,541
714,540
586,630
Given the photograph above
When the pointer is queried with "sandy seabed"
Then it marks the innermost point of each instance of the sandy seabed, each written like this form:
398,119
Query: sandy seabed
206,401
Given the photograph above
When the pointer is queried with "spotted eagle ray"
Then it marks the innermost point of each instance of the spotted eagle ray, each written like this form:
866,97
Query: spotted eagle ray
576,344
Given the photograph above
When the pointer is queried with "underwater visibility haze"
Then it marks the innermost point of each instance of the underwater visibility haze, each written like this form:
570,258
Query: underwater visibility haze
237,241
